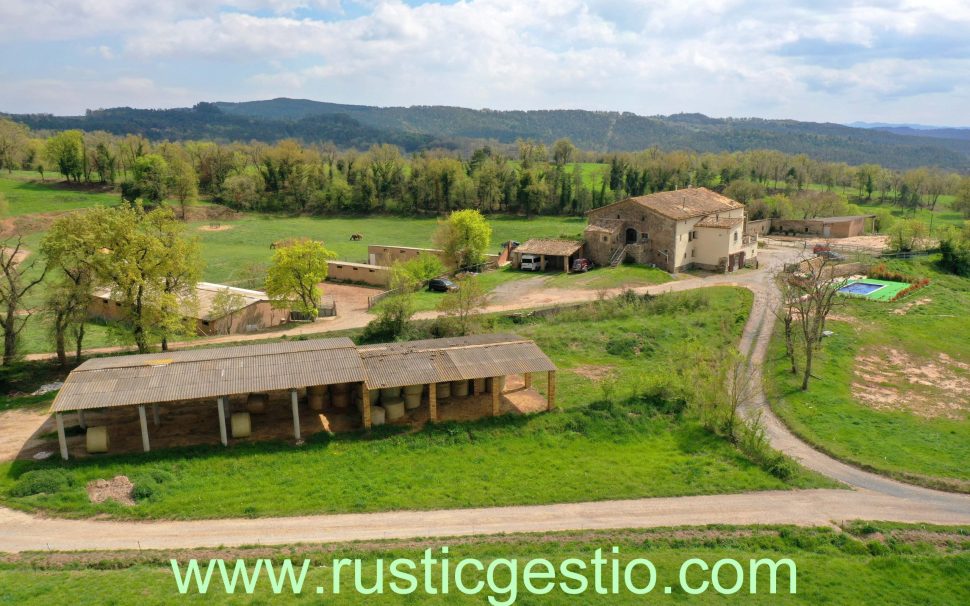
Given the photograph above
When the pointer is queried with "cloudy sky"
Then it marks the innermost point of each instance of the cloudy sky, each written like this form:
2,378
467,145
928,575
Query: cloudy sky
824,60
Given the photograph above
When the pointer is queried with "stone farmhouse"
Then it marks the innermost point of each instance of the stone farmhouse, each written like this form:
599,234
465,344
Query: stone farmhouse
674,230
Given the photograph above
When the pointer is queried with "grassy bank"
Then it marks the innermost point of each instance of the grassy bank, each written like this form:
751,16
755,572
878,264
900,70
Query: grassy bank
620,434
869,563
873,403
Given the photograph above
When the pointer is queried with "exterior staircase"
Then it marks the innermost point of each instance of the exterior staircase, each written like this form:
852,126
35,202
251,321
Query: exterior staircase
617,257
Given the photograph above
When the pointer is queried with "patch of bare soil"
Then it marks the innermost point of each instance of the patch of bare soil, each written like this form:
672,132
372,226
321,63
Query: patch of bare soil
890,379
215,227
208,212
117,489
26,224
902,311
20,431
595,372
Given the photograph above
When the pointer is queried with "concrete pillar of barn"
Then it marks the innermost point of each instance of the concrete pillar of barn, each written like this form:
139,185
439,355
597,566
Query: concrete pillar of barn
80,419
365,405
565,263
221,405
433,402
527,379
551,391
61,438
155,415
542,263
295,404
143,421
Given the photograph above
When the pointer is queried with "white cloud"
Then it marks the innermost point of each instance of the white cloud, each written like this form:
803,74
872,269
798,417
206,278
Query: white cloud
809,59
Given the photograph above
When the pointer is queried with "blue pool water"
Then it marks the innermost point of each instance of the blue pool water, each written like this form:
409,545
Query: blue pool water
860,288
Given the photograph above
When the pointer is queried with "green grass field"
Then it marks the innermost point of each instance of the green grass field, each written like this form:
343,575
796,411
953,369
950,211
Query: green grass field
27,195
868,563
923,432
616,438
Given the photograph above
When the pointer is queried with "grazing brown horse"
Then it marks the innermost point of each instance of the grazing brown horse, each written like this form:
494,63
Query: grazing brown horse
356,237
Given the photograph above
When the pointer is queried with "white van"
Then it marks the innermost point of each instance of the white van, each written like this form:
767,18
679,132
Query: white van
531,263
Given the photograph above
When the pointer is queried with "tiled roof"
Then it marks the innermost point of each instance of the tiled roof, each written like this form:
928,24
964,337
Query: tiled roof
553,248
682,203
722,223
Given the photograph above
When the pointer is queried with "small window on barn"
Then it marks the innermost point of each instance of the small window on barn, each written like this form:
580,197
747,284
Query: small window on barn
806,230
118,303
735,236
643,217
205,322
371,270
356,268
692,252
605,238
617,216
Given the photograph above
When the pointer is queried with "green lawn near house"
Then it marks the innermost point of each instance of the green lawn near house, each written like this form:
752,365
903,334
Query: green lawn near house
867,563
893,386
619,433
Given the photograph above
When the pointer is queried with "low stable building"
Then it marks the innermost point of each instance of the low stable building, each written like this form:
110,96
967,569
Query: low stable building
673,230
194,395
556,255
252,309
826,227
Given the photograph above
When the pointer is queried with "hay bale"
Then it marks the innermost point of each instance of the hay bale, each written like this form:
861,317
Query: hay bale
375,395
241,425
394,409
459,389
410,390
377,415
390,393
480,385
97,440
318,397
443,391
256,403
412,401
340,399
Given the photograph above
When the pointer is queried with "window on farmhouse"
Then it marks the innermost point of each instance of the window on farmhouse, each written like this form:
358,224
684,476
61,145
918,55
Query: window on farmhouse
735,236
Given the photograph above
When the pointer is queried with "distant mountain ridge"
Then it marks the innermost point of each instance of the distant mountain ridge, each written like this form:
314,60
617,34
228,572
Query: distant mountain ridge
423,127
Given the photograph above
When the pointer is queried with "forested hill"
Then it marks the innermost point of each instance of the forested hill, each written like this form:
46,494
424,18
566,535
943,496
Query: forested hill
422,127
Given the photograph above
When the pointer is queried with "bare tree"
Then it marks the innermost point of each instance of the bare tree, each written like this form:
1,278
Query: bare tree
13,286
814,289
785,312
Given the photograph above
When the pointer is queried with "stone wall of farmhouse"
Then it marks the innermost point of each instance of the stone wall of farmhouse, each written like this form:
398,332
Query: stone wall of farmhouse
646,231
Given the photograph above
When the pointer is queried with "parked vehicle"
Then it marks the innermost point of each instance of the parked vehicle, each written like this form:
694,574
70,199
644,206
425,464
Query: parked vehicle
441,285
531,263
831,255
818,248
582,265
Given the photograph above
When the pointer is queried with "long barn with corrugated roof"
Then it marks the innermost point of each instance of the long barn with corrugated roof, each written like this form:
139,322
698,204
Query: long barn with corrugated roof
330,380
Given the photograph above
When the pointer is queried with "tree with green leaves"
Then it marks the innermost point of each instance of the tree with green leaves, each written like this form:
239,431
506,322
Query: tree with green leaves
464,237
294,277
65,150
17,278
461,307
14,144
150,178
183,184
151,268
71,247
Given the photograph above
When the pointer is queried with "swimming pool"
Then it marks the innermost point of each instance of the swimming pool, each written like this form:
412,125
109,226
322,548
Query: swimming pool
861,289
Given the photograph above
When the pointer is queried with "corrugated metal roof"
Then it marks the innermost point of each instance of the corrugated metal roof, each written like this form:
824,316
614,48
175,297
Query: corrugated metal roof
439,360
209,373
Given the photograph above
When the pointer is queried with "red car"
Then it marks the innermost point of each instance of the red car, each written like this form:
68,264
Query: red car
581,265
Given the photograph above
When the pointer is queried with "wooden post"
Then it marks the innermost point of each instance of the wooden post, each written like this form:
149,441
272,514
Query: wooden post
80,419
155,416
496,396
144,428
365,405
551,391
295,403
61,438
433,401
221,404
565,262
527,377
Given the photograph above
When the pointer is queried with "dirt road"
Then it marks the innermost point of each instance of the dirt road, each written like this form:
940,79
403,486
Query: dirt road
871,497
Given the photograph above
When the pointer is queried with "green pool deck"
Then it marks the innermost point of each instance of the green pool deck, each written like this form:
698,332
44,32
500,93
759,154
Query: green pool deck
889,289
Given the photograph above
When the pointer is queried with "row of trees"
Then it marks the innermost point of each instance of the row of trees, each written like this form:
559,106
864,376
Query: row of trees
558,179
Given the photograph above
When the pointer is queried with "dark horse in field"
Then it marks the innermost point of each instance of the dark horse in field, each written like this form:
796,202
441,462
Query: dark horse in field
356,237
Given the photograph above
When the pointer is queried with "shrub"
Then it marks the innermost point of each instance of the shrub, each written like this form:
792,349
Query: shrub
623,345
41,481
149,483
